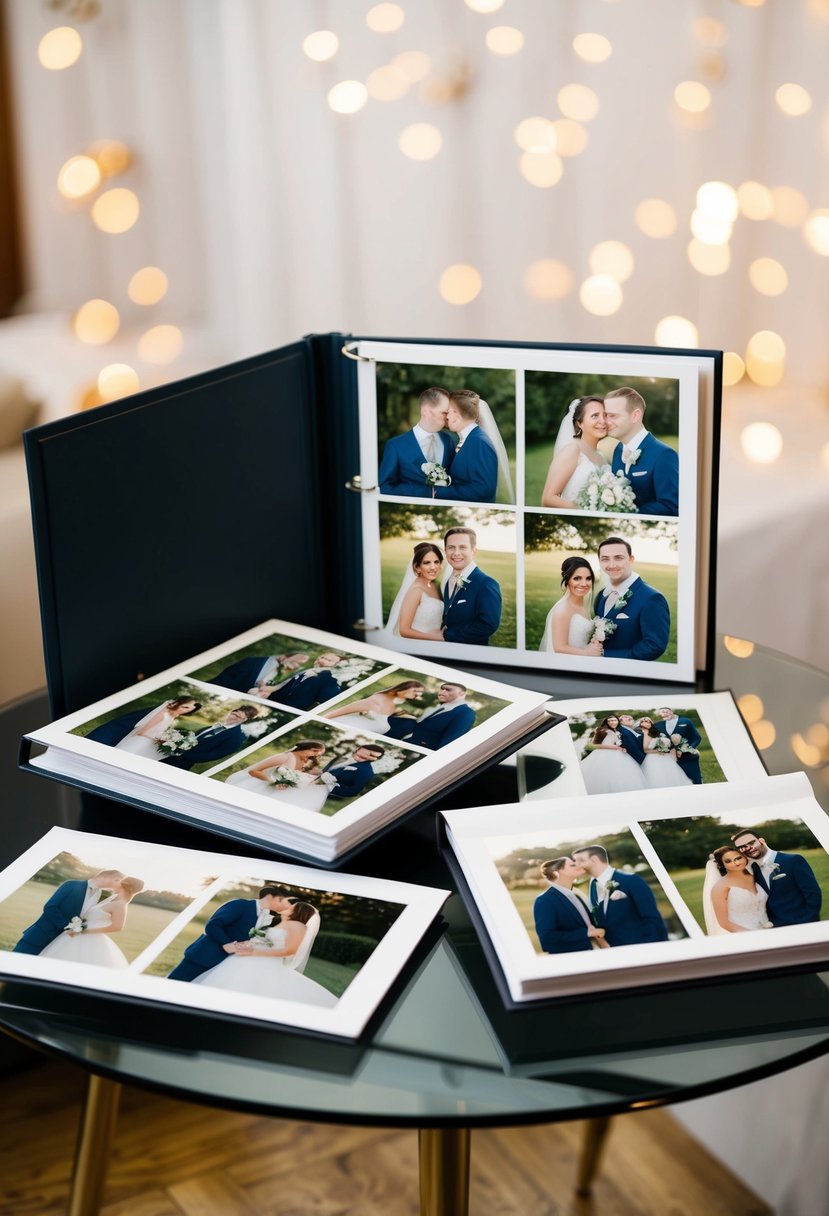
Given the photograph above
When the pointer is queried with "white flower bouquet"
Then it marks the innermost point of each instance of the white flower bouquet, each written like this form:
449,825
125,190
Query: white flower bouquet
662,744
683,746
435,474
608,492
283,776
76,925
173,742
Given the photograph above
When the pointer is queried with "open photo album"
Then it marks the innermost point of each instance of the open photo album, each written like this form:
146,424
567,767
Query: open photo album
539,507
289,737
219,934
629,889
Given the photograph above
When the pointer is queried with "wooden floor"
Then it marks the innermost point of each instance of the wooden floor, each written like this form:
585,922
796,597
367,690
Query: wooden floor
174,1159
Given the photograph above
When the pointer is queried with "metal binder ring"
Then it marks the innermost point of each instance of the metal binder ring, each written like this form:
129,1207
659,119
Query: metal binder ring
350,354
355,483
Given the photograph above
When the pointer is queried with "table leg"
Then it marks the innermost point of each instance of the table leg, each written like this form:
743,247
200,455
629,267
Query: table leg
95,1133
444,1171
595,1135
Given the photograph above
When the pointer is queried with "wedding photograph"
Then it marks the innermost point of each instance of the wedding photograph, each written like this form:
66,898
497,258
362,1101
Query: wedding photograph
594,442
601,587
288,671
576,893
446,433
184,725
318,767
423,710
740,872
448,575
266,938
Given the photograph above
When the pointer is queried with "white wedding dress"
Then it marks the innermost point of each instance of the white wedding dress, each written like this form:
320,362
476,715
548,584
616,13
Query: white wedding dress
309,795
580,477
660,769
743,908
267,976
96,948
142,745
377,724
578,633
428,614
611,772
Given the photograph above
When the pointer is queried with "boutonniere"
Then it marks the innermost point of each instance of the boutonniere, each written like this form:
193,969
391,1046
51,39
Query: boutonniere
622,600
461,584
611,887
775,872
631,455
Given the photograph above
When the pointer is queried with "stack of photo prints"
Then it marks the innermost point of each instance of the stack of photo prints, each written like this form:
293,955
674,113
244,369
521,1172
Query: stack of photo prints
290,737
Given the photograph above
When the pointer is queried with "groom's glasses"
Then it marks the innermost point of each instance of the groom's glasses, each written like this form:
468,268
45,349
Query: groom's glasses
746,845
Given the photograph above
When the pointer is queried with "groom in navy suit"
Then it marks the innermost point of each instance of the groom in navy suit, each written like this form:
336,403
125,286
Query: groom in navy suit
312,687
471,599
622,904
631,738
562,918
475,463
445,722
216,742
676,724
651,467
246,675
68,901
354,774
794,892
639,612
401,468
228,932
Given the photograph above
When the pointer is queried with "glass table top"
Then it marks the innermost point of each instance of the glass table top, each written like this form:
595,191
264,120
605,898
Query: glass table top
443,1049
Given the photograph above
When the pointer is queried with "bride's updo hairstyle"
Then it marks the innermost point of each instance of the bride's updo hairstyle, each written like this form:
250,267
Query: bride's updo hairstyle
552,869
466,402
131,886
302,911
718,855
569,567
423,549
578,412
177,703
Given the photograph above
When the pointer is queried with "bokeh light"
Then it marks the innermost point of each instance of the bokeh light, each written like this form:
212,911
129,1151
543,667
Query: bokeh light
810,754
751,707
816,232
116,210
504,40
767,276
789,206
117,380
756,202
460,283
347,97
536,134
485,6
414,65
600,295
96,322
385,18
733,369
710,31
161,344
548,279
420,141
578,101
387,84
60,48
710,229
692,96
761,442
793,100
676,331
112,155
592,48
78,177
709,259
766,358
321,46
541,169
718,199
763,732
656,218
741,648
571,137
147,286
613,258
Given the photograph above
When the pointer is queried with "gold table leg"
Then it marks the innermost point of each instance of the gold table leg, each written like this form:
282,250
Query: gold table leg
97,1128
444,1171
595,1135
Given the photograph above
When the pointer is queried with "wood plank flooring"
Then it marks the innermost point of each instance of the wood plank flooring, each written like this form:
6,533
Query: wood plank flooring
175,1159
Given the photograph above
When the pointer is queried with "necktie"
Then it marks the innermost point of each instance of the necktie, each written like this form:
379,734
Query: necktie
594,893
610,600
432,449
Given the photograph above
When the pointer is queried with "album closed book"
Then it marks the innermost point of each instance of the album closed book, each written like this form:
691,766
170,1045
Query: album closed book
291,738
208,932
619,891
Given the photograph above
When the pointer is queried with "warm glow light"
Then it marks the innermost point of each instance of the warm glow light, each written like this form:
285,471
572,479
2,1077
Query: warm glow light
762,732
793,100
733,369
656,218
601,295
613,258
592,48
542,169
347,97
414,65
710,229
112,156
676,331
485,6
321,45
718,199
756,202
790,206
739,647
116,210
807,753
818,735
96,322
692,97
161,344
536,135
420,141
60,48
761,442
765,359
710,32
117,380
387,84
709,259
577,101
385,18
78,176
816,232
88,398
768,277
548,279
571,137
460,284
147,286
751,707
504,40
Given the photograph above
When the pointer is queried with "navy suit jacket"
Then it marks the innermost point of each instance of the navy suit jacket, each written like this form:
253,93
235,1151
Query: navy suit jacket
632,919
57,912
474,613
113,732
474,470
559,927
231,922
352,777
686,729
632,743
401,468
654,477
301,693
643,624
241,675
438,729
794,893
214,746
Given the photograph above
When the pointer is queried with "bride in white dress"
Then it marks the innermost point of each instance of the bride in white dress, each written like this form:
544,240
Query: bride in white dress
576,454
373,713
92,944
293,777
732,902
607,768
660,768
274,968
417,611
569,623
145,736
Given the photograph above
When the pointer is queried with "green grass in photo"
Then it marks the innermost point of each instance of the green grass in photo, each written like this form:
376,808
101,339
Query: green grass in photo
689,882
